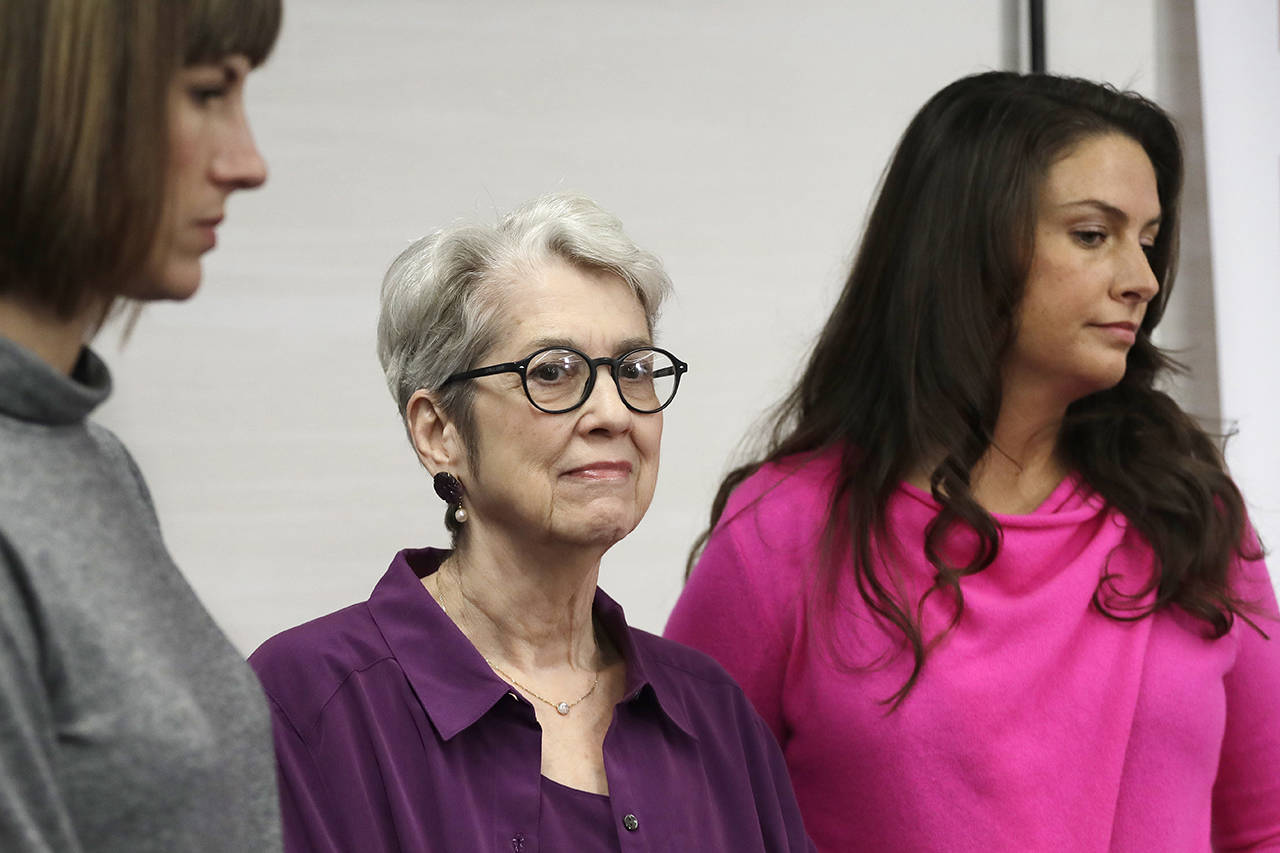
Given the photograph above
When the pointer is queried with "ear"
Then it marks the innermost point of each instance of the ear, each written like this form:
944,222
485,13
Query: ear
434,435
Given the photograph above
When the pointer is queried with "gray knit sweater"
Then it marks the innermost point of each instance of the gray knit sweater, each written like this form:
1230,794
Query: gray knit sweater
128,722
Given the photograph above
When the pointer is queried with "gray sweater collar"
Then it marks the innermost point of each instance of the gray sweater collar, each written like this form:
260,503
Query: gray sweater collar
32,390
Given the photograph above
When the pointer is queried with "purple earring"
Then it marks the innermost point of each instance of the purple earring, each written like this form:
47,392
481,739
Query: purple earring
449,489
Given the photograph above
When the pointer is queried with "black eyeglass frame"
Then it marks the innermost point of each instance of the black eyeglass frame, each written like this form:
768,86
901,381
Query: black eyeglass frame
678,368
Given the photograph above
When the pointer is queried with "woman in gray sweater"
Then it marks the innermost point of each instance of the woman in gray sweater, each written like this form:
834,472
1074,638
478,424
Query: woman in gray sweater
128,722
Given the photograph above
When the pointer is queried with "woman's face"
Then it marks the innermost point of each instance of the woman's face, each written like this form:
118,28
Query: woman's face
1090,280
584,477
211,155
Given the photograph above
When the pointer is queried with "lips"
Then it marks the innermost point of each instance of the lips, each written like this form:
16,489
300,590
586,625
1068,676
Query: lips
604,470
208,229
1124,331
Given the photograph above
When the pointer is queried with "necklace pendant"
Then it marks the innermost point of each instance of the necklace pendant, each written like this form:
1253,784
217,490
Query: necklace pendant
563,709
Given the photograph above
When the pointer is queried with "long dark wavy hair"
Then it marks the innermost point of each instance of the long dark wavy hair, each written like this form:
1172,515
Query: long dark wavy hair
907,369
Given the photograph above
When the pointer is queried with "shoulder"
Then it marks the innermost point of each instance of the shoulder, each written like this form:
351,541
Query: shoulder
783,491
72,487
113,450
753,573
1252,584
681,666
302,668
809,478
709,696
109,446
779,514
79,459
108,441
40,456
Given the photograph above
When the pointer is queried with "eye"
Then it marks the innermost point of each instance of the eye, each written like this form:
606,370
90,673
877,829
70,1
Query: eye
1090,237
636,370
202,95
555,370
205,82
548,372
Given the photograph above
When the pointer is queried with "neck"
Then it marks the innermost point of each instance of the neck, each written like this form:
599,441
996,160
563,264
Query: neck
523,609
1022,466
54,339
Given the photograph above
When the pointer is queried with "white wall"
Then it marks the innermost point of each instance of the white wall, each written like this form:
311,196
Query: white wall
741,141
1239,43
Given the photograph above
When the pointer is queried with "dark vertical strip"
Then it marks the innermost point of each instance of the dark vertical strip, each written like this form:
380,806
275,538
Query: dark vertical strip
1037,36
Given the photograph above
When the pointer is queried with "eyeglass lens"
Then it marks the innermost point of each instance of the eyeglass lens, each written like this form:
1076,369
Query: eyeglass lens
557,378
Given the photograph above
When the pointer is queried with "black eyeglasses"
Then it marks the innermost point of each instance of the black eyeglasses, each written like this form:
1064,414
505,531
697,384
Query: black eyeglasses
560,379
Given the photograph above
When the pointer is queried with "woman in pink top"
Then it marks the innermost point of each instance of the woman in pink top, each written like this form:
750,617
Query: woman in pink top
989,586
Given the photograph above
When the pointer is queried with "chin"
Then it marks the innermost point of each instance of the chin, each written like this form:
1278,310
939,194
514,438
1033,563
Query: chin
177,282
1111,376
1098,382
181,288
600,531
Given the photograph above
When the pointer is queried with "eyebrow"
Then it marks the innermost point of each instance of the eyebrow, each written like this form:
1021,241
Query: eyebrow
1110,210
228,65
622,346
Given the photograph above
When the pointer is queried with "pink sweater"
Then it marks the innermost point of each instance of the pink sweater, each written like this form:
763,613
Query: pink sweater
1036,725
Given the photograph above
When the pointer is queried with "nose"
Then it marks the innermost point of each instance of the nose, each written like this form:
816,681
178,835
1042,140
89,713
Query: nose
238,165
604,409
1137,282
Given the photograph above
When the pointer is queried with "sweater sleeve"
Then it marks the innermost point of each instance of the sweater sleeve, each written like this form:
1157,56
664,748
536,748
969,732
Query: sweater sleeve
731,611
1246,794
33,813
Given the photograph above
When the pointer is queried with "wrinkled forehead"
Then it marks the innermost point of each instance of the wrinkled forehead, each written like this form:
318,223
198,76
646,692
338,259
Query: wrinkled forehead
558,303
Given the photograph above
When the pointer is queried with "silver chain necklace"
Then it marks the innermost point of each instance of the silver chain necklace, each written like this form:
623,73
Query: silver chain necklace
562,708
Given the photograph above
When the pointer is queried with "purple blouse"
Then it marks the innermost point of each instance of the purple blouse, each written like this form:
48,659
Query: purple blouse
392,733
576,820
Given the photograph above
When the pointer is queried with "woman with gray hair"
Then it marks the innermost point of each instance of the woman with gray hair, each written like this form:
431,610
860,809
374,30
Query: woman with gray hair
491,697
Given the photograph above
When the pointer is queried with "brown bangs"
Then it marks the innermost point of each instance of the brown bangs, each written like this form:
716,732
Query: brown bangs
218,28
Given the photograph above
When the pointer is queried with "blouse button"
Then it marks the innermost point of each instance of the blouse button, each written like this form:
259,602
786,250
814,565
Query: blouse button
631,823
517,843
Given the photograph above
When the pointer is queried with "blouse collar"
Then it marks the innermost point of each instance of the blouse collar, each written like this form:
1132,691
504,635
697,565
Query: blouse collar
452,680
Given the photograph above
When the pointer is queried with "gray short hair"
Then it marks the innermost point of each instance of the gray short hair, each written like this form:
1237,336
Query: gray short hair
442,297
